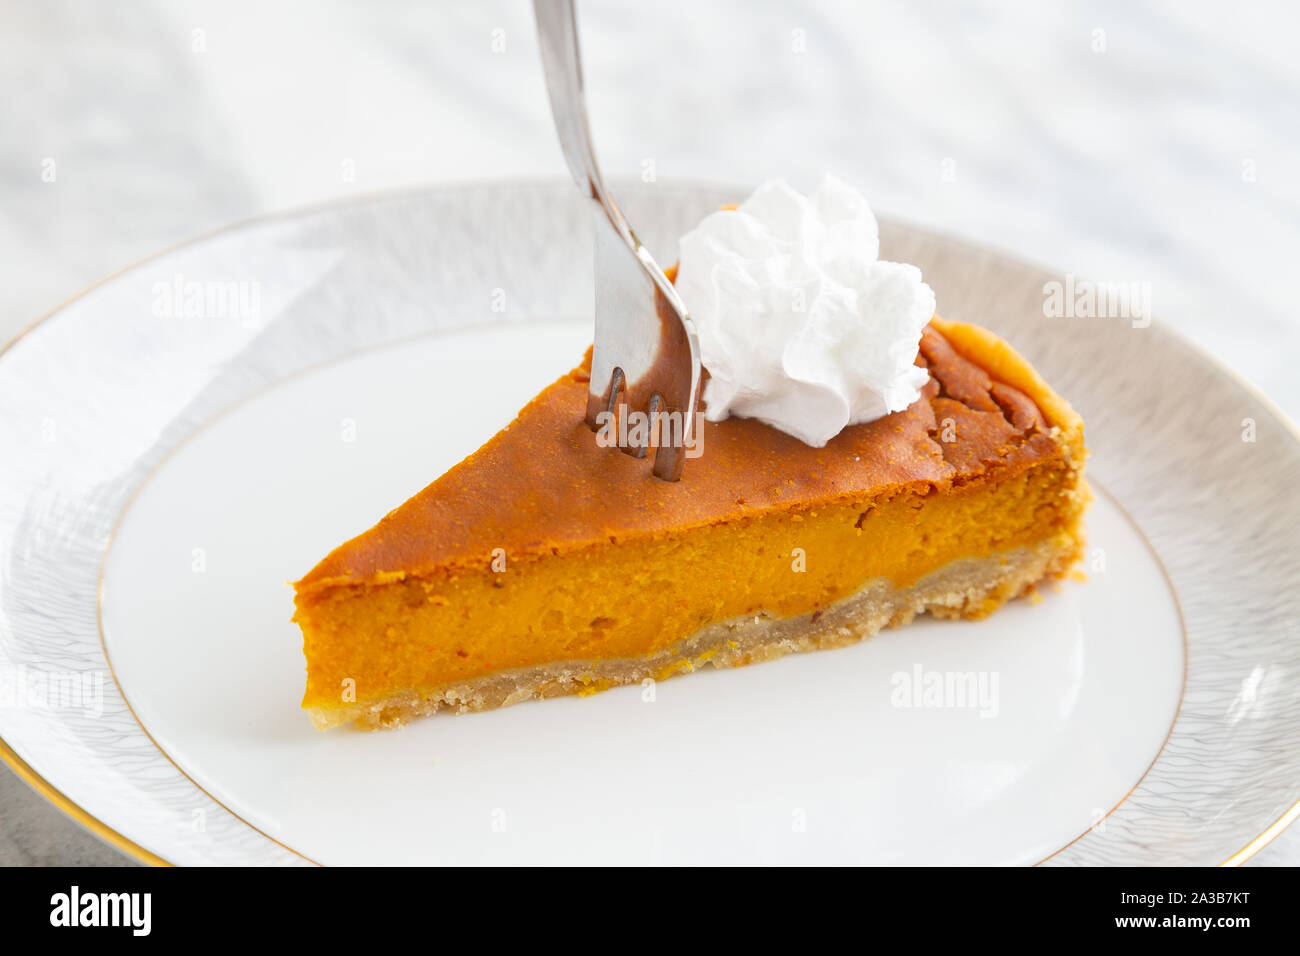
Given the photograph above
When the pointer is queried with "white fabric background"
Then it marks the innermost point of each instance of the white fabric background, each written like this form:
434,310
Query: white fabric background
1120,142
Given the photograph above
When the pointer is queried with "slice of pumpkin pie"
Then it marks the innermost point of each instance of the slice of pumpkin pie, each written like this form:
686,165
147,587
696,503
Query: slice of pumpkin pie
545,564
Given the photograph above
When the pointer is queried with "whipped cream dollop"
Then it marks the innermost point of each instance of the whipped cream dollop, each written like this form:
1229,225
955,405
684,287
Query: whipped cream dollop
800,324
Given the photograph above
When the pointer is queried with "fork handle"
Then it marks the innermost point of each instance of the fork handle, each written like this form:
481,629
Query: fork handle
557,31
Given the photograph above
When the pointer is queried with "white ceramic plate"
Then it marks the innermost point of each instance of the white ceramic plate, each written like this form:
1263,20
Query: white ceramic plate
184,439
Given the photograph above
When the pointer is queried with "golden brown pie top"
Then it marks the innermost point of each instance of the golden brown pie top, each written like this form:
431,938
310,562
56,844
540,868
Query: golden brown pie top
543,485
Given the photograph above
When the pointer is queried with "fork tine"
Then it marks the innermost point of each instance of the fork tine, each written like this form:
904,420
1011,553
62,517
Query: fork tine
605,401
669,461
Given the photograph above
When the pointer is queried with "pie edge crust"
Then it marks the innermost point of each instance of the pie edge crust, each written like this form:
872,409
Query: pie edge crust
969,588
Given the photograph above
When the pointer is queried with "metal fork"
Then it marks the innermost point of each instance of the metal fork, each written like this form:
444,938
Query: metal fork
647,355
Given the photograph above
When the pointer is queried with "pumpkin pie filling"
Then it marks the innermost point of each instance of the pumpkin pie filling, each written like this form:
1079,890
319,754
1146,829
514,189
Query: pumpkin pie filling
544,564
